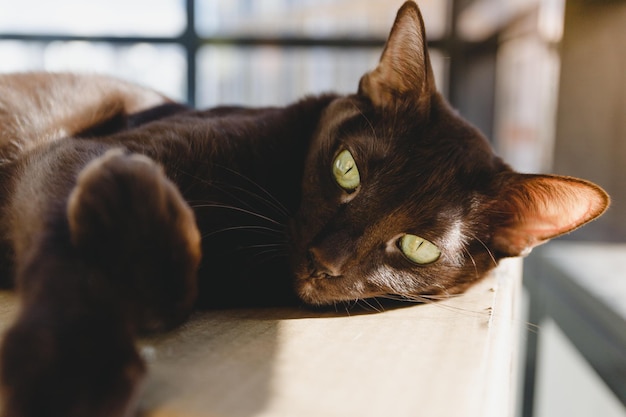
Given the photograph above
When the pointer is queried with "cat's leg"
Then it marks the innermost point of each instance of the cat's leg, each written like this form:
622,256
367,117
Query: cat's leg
121,257
127,219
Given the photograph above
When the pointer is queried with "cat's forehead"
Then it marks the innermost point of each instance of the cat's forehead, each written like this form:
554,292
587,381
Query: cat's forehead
353,118
403,150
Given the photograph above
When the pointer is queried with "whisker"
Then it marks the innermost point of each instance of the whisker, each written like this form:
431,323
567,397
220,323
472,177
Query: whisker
278,203
473,261
258,229
240,209
260,253
266,256
271,202
368,304
434,302
493,259
369,122
265,245
346,306
431,300
439,297
382,308
279,209
352,303
532,327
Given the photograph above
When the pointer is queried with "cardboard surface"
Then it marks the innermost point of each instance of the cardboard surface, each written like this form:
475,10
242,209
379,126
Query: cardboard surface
449,358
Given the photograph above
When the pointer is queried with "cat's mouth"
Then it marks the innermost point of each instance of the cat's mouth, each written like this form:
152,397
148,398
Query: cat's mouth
324,289
321,282
316,290
315,287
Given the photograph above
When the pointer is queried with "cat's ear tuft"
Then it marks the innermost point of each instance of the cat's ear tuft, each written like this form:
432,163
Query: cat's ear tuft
535,208
404,71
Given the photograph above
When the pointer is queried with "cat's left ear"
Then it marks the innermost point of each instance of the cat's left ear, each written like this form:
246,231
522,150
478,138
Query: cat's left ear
533,209
404,71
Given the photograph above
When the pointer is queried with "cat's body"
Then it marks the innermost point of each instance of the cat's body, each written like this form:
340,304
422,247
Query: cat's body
235,166
124,219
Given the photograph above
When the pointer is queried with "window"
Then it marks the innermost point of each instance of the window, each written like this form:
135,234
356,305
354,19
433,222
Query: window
211,51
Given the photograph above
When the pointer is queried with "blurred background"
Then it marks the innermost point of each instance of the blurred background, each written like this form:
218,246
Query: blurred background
544,80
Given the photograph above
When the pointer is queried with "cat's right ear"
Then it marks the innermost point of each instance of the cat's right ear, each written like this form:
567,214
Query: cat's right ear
533,209
404,72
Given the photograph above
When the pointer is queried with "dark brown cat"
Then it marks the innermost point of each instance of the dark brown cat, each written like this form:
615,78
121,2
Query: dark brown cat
122,211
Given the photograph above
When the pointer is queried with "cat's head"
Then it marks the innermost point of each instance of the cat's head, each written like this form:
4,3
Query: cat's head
402,196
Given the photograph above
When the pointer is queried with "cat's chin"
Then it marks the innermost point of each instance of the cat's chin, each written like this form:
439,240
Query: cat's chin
320,291
308,291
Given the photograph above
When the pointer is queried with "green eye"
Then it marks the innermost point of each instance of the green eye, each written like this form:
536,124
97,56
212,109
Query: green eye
345,171
419,250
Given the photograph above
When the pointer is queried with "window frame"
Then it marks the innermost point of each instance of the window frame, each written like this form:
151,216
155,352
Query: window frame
450,45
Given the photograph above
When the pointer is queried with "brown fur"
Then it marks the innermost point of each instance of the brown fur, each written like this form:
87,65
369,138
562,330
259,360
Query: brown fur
39,108
119,217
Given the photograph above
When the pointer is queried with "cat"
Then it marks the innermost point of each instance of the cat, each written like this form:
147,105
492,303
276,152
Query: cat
122,211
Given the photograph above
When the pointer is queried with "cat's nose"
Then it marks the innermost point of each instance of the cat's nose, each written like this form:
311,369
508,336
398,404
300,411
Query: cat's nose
323,265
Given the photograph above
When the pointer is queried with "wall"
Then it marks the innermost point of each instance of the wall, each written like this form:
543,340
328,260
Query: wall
591,117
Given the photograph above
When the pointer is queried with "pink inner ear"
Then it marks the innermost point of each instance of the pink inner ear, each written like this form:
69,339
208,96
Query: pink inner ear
543,207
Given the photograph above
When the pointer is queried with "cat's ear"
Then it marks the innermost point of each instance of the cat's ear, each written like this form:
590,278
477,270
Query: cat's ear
404,71
532,209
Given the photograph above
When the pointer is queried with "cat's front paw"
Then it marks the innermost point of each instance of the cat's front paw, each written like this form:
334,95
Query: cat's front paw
129,219
74,368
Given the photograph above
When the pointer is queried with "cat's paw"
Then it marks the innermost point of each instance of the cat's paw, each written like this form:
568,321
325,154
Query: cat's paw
129,219
71,369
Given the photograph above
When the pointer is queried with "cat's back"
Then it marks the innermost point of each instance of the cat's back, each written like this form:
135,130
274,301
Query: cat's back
37,108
